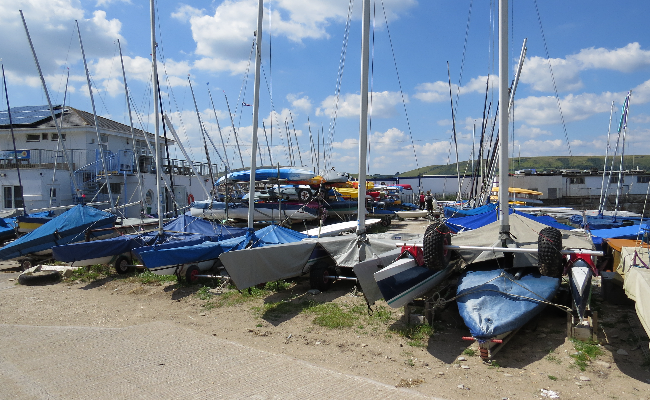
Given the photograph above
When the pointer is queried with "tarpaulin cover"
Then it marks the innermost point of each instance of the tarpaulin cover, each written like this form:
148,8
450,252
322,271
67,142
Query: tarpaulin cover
624,232
489,304
250,267
603,221
188,223
275,234
637,288
477,221
66,228
122,244
159,256
349,250
451,212
525,230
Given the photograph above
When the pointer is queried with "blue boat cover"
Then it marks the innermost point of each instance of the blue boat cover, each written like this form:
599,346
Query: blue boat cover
491,304
451,212
477,221
264,174
215,232
625,232
275,234
597,222
159,256
66,228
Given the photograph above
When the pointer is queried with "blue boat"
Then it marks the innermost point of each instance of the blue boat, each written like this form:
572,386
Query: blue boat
266,174
69,227
182,231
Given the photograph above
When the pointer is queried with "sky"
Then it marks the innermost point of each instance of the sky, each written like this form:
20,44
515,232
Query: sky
581,57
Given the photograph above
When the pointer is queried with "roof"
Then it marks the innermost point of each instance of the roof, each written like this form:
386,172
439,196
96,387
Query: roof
69,117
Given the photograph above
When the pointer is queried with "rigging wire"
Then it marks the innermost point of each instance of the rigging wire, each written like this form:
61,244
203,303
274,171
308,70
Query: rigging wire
550,67
327,155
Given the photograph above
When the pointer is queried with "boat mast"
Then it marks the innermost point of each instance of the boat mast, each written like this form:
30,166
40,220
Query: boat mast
154,84
256,108
504,182
363,121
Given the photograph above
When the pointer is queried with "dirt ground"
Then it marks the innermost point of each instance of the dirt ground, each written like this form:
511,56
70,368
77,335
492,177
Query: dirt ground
536,363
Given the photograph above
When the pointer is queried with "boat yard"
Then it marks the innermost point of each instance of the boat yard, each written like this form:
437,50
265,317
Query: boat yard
205,325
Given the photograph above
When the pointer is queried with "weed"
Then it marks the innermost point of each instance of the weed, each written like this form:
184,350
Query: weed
381,314
553,378
409,362
148,278
90,273
553,358
586,351
494,364
204,293
469,352
259,325
332,315
418,334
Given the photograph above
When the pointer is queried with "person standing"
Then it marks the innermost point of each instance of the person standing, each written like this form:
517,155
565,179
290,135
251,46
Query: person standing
421,201
428,199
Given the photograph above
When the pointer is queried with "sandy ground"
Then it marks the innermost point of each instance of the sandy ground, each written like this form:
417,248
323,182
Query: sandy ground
536,363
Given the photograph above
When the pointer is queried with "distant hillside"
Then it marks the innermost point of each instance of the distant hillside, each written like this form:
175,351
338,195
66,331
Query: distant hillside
541,164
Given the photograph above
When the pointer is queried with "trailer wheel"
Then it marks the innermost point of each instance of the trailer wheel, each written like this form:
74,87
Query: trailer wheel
436,257
122,265
27,264
549,244
191,274
39,278
304,195
385,222
319,274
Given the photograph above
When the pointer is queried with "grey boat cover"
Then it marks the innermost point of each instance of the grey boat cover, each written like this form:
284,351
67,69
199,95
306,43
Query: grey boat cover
250,267
524,233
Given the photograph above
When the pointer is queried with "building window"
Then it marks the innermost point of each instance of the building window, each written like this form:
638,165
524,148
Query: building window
13,197
33,138
577,181
44,136
104,138
53,193
643,179
55,136
614,179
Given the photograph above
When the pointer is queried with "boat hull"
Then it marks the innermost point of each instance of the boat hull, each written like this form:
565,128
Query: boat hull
262,211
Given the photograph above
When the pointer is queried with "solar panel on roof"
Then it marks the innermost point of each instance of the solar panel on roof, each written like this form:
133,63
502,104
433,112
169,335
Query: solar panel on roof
27,115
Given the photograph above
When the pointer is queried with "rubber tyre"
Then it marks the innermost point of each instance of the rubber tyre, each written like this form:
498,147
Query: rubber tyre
318,277
385,222
122,265
27,264
39,278
436,257
304,195
191,274
549,244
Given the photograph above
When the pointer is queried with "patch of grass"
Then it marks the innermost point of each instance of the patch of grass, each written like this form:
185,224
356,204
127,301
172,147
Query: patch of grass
553,378
469,352
90,273
381,314
586,351
334,316
149,278
494,364
418,335
204,293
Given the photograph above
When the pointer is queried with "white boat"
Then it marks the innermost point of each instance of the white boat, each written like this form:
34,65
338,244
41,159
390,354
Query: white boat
412,214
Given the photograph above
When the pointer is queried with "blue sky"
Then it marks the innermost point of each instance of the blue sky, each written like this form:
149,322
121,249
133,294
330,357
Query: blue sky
597,50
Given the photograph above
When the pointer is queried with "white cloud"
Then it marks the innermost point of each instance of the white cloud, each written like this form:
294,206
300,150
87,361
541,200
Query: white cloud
383,105
110,27
436,92
567,71
226,34
221,65
300,103
101,3
531,132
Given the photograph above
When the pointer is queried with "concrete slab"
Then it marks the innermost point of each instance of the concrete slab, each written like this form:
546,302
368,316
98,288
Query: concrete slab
161,360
